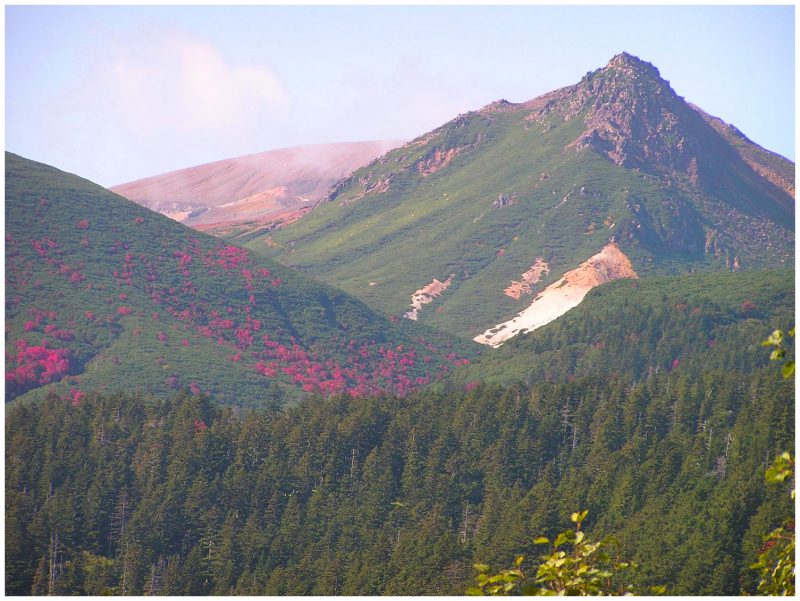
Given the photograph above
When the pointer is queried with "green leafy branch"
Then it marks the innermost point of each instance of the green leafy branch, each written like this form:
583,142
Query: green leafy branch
776,561
776,340
575,565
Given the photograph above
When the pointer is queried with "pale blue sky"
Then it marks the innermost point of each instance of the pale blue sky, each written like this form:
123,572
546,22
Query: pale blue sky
119,93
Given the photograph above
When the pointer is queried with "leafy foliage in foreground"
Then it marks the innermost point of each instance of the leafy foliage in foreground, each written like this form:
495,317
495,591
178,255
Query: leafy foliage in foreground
103,294
586,569
776,558
776,561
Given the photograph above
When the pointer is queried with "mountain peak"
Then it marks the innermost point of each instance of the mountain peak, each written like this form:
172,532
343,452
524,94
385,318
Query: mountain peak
625,60
633,116
628,72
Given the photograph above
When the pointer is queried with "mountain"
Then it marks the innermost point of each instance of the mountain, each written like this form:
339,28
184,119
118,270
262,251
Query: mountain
252,191
521,206
103,294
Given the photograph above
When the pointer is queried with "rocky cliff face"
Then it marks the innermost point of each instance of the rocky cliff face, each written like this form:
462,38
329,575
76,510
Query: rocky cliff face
634,118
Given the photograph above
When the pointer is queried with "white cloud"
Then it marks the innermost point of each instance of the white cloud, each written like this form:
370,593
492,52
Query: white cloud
167,93
212,94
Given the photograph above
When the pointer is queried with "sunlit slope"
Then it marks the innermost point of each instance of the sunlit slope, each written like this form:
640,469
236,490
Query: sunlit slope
251,191
618,157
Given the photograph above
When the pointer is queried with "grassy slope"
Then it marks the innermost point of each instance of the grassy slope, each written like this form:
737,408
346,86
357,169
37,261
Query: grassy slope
429,227
133,300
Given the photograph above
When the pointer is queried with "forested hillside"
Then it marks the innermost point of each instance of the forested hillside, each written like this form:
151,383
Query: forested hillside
132,494
643,327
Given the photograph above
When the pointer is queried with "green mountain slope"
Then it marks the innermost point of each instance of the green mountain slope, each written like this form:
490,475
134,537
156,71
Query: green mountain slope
493,193
103,294
648,326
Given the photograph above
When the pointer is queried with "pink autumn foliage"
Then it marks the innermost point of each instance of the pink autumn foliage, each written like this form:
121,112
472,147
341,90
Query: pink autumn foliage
75,396
230,257
35,365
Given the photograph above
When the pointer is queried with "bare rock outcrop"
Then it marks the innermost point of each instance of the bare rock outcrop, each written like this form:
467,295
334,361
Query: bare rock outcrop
568,292
426,294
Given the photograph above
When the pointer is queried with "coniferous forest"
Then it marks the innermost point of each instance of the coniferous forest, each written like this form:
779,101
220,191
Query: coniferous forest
134,494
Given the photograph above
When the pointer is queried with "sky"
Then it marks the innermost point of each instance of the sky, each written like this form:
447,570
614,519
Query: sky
117,93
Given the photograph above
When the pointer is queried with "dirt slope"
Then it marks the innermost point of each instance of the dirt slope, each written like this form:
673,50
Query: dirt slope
568,292
253,186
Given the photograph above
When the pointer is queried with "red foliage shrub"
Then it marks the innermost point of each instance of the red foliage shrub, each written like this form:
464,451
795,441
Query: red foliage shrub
75,396
748,307
35,365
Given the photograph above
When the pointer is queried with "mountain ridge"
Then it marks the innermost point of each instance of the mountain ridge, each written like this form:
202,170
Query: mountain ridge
617,157
288,179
